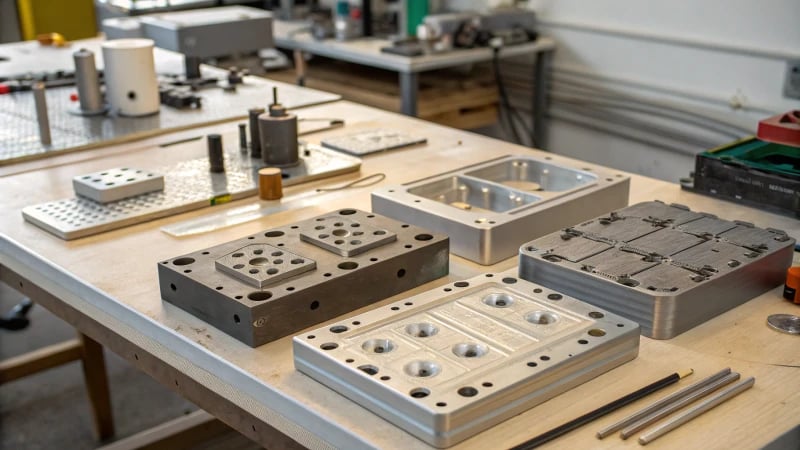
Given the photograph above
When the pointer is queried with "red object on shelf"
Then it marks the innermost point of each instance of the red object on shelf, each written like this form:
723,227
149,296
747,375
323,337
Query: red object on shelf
4,89
73,97
781,129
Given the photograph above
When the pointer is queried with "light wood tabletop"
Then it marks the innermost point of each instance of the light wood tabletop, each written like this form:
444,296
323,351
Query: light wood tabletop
107,286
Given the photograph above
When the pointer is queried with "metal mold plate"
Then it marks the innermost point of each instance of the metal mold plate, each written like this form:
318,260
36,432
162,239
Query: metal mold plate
691,268
490,209
443,364
262,264
371,141
115,184
280,306
346,237
188,185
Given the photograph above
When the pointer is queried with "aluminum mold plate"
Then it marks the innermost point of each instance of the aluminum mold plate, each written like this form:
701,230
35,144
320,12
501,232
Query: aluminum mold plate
444,364
490,209
371,141
188,185
259,308
110,185
664,266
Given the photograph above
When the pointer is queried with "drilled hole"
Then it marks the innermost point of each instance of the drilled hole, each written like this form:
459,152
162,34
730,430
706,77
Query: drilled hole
421,329
274,233
347,212
340,232
369,369
596,315
183,261
173,287
401,273
422,369
541,317
329,346
348,265
259,296
338,329
378,346
498,300
583,341
314,305
261,261
236,318
555,297
509,280
423,237
596,332
470,350
419,392
461,284
467,391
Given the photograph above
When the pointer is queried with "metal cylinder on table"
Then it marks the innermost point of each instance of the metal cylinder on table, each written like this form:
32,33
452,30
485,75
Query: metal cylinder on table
40,102
216,155
255,140
130,77
88,83
278,131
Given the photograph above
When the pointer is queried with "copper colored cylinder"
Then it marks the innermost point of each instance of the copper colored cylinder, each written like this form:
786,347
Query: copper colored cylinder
270,183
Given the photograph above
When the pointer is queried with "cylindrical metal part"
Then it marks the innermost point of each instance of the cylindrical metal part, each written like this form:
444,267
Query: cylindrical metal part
88,83
255,140
40,101
696,410
279,140
191,66
243,137
672,398
216,156
270,183
130,77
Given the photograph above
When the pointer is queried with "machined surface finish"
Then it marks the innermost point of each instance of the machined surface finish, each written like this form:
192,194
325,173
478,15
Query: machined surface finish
116,184
445,364
785,323
347,237
490,209
271,284
371,141
664,266
188,185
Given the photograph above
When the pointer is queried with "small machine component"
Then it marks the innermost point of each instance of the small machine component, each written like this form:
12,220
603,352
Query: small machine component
216,155
262,287
791,288
762,172
129,73
278,133
42,118
116,184
87,81
255,139
490,209
446,364
243,137
664,266
371,141
188,185
179,97
270,183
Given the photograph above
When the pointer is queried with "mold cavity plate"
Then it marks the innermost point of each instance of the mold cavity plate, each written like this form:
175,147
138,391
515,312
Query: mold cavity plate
443,364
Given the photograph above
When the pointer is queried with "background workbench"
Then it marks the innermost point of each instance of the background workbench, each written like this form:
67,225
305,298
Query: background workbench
107,287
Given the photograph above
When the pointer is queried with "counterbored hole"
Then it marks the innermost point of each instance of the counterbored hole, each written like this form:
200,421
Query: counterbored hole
378,346
259,296
423,237
555,296
499,300
314,305
467,391
274,233
236,318
369,369
596,315
348,265
541,317
596,332
422,369
421,330
347,212
338,329
329,346
183,261
461,284
401,273
173,287
258,261
509,280
470,350
419,392
340,232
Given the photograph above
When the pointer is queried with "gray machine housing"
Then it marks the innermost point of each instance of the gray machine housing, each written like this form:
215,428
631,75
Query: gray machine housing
664,266
340,261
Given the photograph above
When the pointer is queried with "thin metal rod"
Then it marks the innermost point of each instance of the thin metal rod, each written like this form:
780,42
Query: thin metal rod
697,410
40,101
675,396
602,411
669,409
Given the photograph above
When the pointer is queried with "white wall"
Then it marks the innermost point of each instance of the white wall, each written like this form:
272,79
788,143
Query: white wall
723,59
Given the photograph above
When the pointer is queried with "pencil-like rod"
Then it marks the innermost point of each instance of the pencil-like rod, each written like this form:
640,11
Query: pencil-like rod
655,416
697,410
675,396
274,95
603,410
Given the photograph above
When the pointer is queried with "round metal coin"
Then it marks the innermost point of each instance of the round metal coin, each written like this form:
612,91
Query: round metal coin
785,323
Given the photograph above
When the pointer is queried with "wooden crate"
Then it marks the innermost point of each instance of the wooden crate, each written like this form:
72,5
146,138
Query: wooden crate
456,98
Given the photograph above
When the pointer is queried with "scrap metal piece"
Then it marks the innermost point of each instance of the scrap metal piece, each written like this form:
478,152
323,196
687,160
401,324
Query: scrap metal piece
785,323
261,264
346,237
312,284
449,363
691,268
490,209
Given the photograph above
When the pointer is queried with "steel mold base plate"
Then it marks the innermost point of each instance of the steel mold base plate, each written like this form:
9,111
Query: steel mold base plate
371,141
271,284
490,209
445,364
664,266
188,185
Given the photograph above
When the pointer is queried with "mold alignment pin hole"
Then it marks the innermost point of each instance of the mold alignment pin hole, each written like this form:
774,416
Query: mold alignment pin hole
461,284
421,330
338,329
499,300
314,305
173,287
544,358
537,291
329,346
401,273
596,315
532,364
583,341
423,237
419,393
555,297
236,318
356,323
596,332
441,404
467,391
487,384
369,369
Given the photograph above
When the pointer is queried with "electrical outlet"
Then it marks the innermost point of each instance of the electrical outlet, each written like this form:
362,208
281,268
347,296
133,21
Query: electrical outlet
791,85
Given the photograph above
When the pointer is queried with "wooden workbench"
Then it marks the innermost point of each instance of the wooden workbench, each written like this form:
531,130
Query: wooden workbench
107,287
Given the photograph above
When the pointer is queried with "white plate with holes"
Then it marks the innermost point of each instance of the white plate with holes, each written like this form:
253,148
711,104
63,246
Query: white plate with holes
449,363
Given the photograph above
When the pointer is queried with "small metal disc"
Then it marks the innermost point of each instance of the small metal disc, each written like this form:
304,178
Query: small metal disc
785,323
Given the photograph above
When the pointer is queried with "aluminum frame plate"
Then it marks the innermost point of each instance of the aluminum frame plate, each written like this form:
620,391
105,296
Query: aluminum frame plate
115,184
443,364
664,266
490,209
371,141
188,185
282,306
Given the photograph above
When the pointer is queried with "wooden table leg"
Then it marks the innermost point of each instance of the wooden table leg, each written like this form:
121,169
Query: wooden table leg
96,379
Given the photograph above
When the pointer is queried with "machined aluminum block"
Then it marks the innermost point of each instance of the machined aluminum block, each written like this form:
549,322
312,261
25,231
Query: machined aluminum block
449,363
115,184
490,209
271,284
664,266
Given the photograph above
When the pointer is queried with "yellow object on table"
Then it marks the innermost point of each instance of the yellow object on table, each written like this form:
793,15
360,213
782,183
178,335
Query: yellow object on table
74,19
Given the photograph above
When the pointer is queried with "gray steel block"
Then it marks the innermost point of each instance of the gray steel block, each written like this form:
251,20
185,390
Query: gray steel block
271,284
115,184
